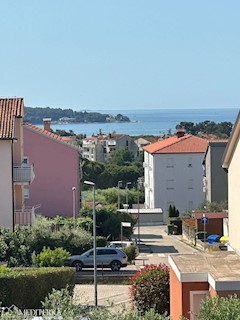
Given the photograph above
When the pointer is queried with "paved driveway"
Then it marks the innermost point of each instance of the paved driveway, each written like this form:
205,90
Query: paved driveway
156,246
107,294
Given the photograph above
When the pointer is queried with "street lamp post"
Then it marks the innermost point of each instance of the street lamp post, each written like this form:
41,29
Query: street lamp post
74,206
119,184
127,184
139,183
94,242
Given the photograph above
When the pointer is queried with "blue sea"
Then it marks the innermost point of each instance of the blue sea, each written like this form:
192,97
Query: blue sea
151,122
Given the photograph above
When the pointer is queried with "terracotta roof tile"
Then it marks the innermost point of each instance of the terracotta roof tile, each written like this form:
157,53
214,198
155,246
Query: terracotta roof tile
210,215
185,144
10,108
92,138
49,134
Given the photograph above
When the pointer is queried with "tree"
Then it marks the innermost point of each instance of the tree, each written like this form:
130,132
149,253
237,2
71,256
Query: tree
207,206
109,222
92,170
173,212
222,129
188,126
123,157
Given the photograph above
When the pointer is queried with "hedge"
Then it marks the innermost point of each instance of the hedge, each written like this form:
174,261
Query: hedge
27,287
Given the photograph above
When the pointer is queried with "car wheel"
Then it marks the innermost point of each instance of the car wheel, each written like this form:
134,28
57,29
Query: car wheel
115,265
78,265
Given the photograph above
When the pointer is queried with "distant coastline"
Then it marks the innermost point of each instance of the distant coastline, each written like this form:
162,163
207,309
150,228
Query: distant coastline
151,122
68,116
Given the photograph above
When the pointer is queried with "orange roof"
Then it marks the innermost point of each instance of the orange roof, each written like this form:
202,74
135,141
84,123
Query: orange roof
90,138
49,135
69,138
10,108
185,144
210,215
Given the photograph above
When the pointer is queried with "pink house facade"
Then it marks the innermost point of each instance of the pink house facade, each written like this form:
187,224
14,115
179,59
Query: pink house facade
56,188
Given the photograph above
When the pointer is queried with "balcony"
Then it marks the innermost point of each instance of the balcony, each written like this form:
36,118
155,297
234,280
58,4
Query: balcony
23,174
111,143
25,216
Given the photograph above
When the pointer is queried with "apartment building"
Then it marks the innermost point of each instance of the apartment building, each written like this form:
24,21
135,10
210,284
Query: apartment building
173,172
101,147
215,182
56,188
15,172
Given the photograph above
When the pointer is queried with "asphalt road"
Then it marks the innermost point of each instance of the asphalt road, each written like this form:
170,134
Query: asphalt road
155,247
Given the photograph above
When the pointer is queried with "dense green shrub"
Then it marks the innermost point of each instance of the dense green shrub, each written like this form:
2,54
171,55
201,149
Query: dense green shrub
150,289
15,247
101,241
51,258
63,304
45,232
220,308
131,252
27,287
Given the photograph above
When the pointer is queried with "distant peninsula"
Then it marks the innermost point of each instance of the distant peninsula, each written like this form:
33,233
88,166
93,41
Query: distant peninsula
58,115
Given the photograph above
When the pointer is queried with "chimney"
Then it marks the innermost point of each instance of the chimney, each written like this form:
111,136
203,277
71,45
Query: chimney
47,124
180,132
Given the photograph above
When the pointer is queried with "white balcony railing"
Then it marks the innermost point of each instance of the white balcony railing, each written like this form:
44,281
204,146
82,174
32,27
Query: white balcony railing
23,174
24,217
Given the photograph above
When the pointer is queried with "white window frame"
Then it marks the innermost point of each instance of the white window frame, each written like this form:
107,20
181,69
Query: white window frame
190,184
170,163
170,184
191,296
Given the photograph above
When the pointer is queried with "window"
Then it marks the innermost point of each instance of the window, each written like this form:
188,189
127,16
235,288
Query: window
25,160
104,252
170,163
190,183
170,184
26,193
190,162
190,205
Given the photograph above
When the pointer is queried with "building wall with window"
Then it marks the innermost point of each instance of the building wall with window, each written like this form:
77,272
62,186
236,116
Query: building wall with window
101,147
56,165
173,173
176,180
216,184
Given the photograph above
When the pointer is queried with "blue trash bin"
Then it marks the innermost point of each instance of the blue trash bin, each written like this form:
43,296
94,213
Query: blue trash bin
213,238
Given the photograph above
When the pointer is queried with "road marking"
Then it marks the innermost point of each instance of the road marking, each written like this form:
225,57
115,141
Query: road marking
162,255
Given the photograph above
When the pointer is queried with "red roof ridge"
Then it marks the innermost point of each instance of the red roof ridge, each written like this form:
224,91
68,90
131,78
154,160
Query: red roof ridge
186,136
49,134
178,145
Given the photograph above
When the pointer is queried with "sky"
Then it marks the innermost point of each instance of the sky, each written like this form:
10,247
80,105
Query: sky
121,54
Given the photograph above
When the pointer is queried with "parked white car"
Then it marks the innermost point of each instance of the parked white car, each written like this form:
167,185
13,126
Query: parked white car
113,258
120,244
